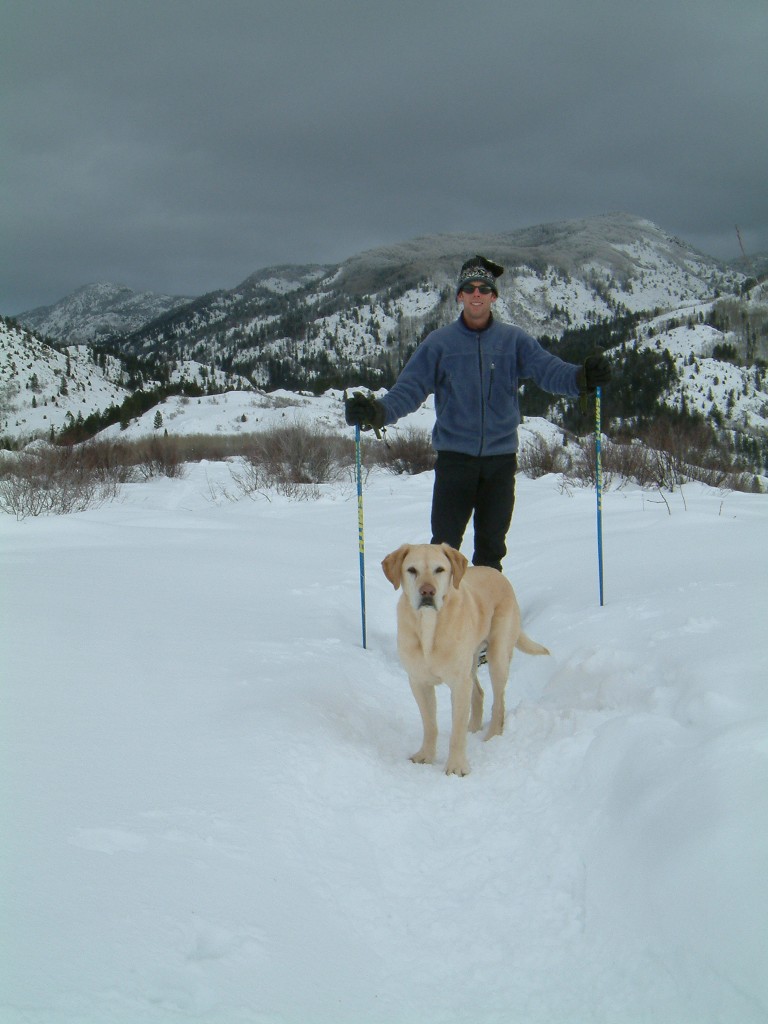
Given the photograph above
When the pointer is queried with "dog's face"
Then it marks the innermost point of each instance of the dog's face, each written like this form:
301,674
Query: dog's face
426,572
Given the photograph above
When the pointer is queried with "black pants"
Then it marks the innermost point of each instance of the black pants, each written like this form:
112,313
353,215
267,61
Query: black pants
483,485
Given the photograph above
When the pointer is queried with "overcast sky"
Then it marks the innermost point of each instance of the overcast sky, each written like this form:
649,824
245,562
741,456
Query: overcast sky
179,145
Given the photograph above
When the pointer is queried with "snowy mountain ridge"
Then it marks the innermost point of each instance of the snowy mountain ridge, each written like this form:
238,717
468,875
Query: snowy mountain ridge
96,311
557,275
290,327
44,389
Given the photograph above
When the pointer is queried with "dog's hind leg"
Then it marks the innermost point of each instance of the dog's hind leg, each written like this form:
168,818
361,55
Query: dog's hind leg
498,666
476,714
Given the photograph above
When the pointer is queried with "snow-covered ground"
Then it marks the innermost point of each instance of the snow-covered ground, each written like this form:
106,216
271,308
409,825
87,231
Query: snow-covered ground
210,815
243,412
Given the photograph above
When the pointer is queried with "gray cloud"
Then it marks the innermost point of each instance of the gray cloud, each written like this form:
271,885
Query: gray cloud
179,145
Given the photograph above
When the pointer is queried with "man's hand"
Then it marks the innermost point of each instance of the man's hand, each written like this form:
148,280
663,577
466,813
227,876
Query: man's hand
364,411
595,372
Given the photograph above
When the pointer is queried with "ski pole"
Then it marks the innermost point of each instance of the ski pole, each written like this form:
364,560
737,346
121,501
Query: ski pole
599,490
360,532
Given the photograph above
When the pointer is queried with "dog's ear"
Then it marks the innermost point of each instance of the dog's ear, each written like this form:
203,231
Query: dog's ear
393,564
458,563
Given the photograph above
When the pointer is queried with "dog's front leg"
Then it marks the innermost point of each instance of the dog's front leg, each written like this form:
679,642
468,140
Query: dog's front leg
457,763
427,701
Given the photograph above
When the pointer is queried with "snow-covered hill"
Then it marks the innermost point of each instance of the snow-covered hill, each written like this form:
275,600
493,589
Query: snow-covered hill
735,395
43,388
98,311
310,323
372,309
375,306
561,274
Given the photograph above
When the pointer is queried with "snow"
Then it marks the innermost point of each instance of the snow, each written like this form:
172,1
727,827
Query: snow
211,815
33,372
241,412
708,384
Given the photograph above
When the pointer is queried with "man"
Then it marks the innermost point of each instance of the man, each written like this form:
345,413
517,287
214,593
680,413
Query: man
474,367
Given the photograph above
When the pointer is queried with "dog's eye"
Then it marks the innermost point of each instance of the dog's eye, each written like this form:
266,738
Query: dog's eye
439,568
412,571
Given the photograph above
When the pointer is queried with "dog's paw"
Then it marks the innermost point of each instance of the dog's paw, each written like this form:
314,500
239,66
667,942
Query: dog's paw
423,757
457,766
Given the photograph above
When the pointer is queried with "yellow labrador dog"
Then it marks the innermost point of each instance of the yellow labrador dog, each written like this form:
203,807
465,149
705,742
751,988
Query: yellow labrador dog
446,614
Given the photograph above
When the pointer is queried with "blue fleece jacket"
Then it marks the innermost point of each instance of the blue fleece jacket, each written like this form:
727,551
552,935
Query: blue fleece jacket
475,376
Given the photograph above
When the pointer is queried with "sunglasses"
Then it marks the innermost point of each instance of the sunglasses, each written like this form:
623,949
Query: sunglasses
470,289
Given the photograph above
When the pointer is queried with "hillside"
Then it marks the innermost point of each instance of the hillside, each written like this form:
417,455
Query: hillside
43,388
370,312
294,326
98,311
316,327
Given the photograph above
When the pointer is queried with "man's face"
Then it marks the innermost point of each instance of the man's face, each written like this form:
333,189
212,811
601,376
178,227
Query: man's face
477,306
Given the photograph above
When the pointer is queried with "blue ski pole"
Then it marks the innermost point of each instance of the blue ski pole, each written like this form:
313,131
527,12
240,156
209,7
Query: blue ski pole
360,532
599,489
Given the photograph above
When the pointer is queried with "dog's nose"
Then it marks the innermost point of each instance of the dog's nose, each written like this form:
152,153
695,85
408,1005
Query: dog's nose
427,590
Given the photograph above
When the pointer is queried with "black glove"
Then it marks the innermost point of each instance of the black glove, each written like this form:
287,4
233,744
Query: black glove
595,372
364,411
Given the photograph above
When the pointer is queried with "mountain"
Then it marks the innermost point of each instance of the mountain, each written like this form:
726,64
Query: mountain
43,388
96,311
290,325
294,326
617,281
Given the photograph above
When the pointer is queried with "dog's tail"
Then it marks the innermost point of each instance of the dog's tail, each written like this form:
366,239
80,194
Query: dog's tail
528,646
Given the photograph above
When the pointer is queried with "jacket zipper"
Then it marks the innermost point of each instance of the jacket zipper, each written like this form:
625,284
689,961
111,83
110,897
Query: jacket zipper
482,402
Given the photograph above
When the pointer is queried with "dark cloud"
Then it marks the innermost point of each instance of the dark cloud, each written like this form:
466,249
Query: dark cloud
177,146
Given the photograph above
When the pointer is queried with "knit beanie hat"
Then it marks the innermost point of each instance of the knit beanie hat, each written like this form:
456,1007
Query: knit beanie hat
478,268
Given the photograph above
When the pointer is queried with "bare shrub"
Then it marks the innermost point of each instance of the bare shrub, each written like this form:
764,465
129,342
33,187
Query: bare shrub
253,477
112,461
632,461
683,451
52,481
670,455
726,479
291,461
583,468
159,456
298,454
212,447
539,456
409,451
